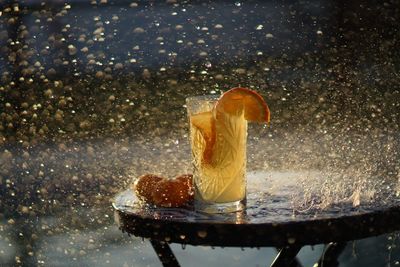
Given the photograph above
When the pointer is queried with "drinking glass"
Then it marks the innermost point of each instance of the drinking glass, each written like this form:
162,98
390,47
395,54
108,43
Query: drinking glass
218,145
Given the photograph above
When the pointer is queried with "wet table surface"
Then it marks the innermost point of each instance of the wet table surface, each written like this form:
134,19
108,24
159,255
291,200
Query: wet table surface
280,211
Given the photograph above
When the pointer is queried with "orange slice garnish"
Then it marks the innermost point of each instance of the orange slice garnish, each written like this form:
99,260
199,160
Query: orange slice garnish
240,99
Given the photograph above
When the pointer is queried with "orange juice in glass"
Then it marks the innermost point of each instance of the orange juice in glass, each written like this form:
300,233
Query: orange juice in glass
218,134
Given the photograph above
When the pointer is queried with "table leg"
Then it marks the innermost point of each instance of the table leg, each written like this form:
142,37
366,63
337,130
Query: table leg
287,257
164,253
331,254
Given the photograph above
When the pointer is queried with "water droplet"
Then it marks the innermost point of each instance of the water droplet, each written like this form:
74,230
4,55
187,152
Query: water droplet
259,27
202,233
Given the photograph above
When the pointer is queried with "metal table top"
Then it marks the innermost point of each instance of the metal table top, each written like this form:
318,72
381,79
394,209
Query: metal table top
274,216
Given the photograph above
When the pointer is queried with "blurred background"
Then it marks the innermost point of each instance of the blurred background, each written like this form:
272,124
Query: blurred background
92,94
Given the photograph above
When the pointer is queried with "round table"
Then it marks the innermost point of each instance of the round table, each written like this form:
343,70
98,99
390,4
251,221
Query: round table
274,217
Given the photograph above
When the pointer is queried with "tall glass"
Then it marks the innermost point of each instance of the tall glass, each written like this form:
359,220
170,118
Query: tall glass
218,144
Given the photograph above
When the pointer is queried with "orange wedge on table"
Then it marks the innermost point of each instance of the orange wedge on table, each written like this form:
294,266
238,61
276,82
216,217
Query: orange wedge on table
234,102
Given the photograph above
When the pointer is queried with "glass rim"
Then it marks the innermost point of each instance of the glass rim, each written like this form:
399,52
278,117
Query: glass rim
202,98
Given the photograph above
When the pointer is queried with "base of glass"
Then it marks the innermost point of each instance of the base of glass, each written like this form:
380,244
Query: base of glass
219,207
